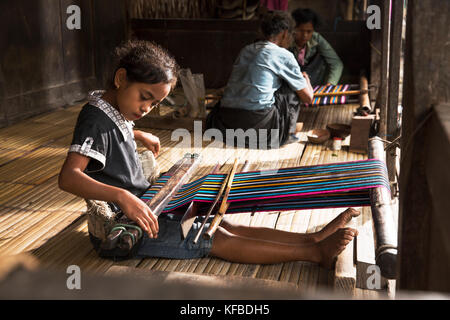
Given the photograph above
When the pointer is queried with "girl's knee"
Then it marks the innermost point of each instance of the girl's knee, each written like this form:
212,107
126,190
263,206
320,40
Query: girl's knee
221,240
229,226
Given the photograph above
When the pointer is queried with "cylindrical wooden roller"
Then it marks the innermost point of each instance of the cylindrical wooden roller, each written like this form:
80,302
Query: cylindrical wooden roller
383,220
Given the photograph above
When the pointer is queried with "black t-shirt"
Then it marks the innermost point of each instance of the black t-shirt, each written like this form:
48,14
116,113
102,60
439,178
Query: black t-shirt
104,135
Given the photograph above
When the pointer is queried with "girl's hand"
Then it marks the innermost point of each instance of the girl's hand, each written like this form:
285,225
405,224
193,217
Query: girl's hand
136,210
149,141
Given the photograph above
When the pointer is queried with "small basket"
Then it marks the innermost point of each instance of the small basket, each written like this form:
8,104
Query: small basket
318,135
339,130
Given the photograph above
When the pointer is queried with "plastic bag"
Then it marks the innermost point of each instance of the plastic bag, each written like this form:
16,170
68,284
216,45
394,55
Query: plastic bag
194,90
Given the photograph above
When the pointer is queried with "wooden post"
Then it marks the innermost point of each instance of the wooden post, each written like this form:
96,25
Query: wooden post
375,58
394,79
384,68
349,12
364,100
426,84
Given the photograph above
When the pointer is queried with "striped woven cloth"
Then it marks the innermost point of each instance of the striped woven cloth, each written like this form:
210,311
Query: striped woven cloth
329,100
332,185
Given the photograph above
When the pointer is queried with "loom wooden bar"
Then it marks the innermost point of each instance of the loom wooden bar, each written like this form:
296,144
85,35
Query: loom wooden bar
191,212
383,91
224,204
344,93
179,174
394,82
383,221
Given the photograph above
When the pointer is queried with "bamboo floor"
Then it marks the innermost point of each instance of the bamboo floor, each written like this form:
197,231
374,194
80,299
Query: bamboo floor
38,218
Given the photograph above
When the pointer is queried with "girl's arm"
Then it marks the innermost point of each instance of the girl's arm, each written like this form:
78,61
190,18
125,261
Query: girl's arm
150,141
72,179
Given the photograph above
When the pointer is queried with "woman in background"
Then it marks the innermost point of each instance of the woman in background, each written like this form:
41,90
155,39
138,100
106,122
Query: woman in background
314,54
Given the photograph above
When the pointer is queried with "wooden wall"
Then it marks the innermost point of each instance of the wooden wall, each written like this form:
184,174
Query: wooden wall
211,46
43,64
424,238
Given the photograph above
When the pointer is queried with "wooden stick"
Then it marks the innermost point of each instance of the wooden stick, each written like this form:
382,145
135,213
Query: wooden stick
224,205
191,212
208,214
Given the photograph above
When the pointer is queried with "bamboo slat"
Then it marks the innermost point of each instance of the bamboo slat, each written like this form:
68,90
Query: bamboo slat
8,155
27,135
35,167
9,191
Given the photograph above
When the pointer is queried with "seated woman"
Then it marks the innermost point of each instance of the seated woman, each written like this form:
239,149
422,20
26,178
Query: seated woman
314,54
262,94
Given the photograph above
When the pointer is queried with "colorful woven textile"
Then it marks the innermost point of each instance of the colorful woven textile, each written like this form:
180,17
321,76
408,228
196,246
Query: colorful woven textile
333,185
329,100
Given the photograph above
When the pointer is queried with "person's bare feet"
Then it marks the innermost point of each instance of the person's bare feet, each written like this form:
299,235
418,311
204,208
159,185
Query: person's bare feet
339,222
333,245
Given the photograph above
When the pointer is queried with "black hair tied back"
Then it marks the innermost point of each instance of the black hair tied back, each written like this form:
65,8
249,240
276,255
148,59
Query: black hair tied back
146,62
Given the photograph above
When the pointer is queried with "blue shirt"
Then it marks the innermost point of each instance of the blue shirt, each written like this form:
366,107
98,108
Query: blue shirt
257,73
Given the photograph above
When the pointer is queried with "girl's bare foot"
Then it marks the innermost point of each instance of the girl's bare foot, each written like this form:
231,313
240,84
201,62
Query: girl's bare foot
339,222
333,245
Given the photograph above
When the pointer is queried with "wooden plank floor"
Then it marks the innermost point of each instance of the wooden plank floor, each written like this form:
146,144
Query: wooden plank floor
37,217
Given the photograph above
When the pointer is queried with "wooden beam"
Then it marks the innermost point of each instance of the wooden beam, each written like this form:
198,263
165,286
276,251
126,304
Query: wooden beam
382,103
394,82
426,84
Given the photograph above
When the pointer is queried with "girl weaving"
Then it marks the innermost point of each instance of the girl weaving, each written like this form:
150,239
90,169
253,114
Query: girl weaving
103,165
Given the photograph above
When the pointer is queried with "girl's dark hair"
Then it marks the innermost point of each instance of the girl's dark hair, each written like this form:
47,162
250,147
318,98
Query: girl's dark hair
302,16
146,62
275,22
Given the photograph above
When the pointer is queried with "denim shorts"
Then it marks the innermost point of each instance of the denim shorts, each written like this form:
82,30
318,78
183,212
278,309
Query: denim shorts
170,243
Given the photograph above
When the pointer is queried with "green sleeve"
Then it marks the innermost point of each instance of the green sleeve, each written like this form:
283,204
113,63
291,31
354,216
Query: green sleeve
331,58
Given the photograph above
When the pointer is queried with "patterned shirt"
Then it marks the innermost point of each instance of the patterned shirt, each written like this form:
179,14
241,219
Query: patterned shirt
104,135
